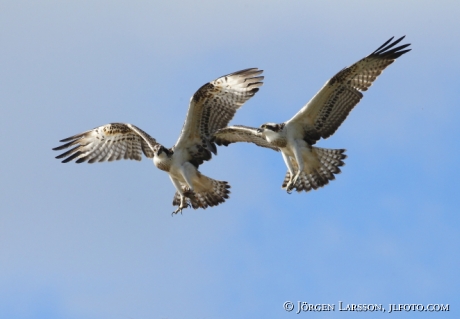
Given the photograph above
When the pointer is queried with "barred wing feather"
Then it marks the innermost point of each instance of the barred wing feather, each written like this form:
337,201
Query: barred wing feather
109,142
214,105
240,133
326,111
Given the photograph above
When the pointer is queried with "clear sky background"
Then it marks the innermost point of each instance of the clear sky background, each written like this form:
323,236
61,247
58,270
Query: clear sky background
98,241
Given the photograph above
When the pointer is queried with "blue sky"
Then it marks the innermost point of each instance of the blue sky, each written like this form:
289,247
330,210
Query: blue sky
98,241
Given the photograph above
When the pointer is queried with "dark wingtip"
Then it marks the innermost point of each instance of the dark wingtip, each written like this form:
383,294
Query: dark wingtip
69,152
212,147
73,137
68,159
219,142
383,45
384,49
81,160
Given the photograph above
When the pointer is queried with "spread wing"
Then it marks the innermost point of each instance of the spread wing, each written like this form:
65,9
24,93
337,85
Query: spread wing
109,142
326,111
214,105
240,133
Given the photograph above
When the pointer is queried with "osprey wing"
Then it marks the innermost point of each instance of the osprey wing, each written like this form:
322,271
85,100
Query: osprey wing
326,111
109,142
214,105
240,133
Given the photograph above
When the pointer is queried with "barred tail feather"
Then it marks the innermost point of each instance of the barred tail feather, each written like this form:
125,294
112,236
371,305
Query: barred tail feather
204,197
190,198
329,161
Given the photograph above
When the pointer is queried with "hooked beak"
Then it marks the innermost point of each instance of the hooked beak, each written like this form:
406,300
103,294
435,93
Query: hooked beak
259,130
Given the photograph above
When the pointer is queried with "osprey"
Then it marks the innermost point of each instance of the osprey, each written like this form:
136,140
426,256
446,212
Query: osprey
210,108
308,166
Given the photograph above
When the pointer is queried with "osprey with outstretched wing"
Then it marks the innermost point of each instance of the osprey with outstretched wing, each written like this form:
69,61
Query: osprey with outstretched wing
211,108
308,166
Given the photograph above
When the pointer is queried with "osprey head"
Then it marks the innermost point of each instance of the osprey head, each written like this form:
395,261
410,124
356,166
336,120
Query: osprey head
158,149
271,127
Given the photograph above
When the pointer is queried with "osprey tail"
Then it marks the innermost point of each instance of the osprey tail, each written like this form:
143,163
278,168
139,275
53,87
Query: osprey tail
209,192
318,174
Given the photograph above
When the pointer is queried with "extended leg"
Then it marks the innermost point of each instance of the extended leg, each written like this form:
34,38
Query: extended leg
288,162
188,170
300,165
183,203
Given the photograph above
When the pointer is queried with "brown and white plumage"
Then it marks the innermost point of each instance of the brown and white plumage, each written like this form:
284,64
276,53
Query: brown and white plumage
109,142
327,110
308,166
241,133
211,108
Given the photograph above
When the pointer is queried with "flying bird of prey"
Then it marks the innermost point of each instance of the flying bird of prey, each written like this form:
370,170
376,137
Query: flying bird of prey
211,108
308,166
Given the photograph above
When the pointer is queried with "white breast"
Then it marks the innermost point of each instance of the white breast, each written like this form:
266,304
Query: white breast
271,136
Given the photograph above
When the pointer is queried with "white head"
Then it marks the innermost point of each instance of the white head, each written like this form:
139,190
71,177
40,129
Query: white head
270,127
161,151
